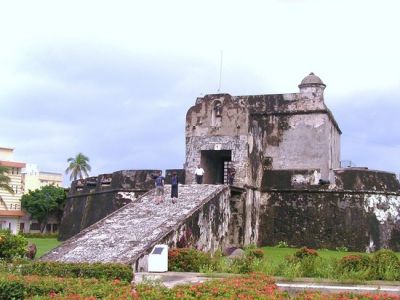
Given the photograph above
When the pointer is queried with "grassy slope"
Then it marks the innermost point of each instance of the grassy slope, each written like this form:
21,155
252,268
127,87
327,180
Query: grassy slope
43,245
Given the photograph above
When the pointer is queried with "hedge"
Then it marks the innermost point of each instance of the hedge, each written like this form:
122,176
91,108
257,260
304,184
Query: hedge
82,270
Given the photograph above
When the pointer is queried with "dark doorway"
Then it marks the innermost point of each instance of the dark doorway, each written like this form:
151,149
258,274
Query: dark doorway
214,163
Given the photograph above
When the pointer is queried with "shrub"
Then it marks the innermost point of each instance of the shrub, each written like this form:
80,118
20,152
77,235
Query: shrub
303,263
188,260
40,235
10,290
85,270
11,245
385,265
282,244
255,253
45,287
305,252
354,263
342,249
251,286
242,264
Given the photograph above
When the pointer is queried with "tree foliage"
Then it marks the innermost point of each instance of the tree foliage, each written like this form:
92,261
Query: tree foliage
5,180
78,166
43,202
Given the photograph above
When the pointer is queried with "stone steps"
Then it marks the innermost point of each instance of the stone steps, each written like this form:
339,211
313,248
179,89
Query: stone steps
127,233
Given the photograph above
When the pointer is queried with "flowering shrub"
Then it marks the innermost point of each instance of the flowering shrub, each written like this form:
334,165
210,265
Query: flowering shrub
303,263
64,288
305,252
252,286
354,263
188,260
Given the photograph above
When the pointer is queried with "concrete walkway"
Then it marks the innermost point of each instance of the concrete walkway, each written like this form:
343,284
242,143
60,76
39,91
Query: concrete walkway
170,279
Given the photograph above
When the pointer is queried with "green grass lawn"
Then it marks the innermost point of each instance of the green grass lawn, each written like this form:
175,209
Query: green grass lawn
277,255
43,245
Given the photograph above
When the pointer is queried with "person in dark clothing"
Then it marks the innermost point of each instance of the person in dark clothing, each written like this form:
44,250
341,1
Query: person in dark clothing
174,187
231,175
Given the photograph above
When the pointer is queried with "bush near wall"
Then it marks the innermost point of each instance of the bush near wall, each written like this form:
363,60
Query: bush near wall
385,265
11,245
188,260
192,260
84,270
354,263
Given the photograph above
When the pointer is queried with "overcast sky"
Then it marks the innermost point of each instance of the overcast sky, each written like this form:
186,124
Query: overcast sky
114,79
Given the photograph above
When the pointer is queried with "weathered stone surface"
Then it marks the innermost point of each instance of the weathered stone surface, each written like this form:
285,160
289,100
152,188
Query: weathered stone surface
259,132
329,219
289,179
91,199
129,233
362,179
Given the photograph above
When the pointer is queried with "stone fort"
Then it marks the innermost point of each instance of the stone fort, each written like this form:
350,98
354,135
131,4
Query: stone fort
289,186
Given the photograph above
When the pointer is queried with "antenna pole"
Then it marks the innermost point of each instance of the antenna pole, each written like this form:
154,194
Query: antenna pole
220,72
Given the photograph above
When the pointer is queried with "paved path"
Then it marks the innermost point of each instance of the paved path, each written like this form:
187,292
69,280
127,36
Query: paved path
125,234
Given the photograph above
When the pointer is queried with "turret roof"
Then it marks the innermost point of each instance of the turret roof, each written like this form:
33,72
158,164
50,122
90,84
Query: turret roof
311,80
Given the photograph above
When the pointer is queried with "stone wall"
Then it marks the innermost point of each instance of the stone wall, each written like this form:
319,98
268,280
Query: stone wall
359,210
360,179
91,199
207,229
293,133
330,219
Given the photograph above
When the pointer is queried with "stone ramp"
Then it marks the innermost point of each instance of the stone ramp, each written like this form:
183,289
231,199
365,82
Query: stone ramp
123,236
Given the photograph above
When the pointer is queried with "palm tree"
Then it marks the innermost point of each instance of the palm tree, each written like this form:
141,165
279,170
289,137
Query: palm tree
5,180
78,166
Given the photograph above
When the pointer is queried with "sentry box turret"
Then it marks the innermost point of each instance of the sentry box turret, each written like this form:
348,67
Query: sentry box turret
158,259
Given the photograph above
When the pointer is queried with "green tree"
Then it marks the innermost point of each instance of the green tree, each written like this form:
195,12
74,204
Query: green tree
43,202
5,180
78,166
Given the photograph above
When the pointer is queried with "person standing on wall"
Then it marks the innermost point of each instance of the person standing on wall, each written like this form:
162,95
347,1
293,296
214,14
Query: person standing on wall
159,188
199,174
174,187
231,175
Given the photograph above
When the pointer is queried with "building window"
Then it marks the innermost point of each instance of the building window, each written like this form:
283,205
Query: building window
35,226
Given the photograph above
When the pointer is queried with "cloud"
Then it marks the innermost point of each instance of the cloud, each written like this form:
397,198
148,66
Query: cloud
370,123
114,81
